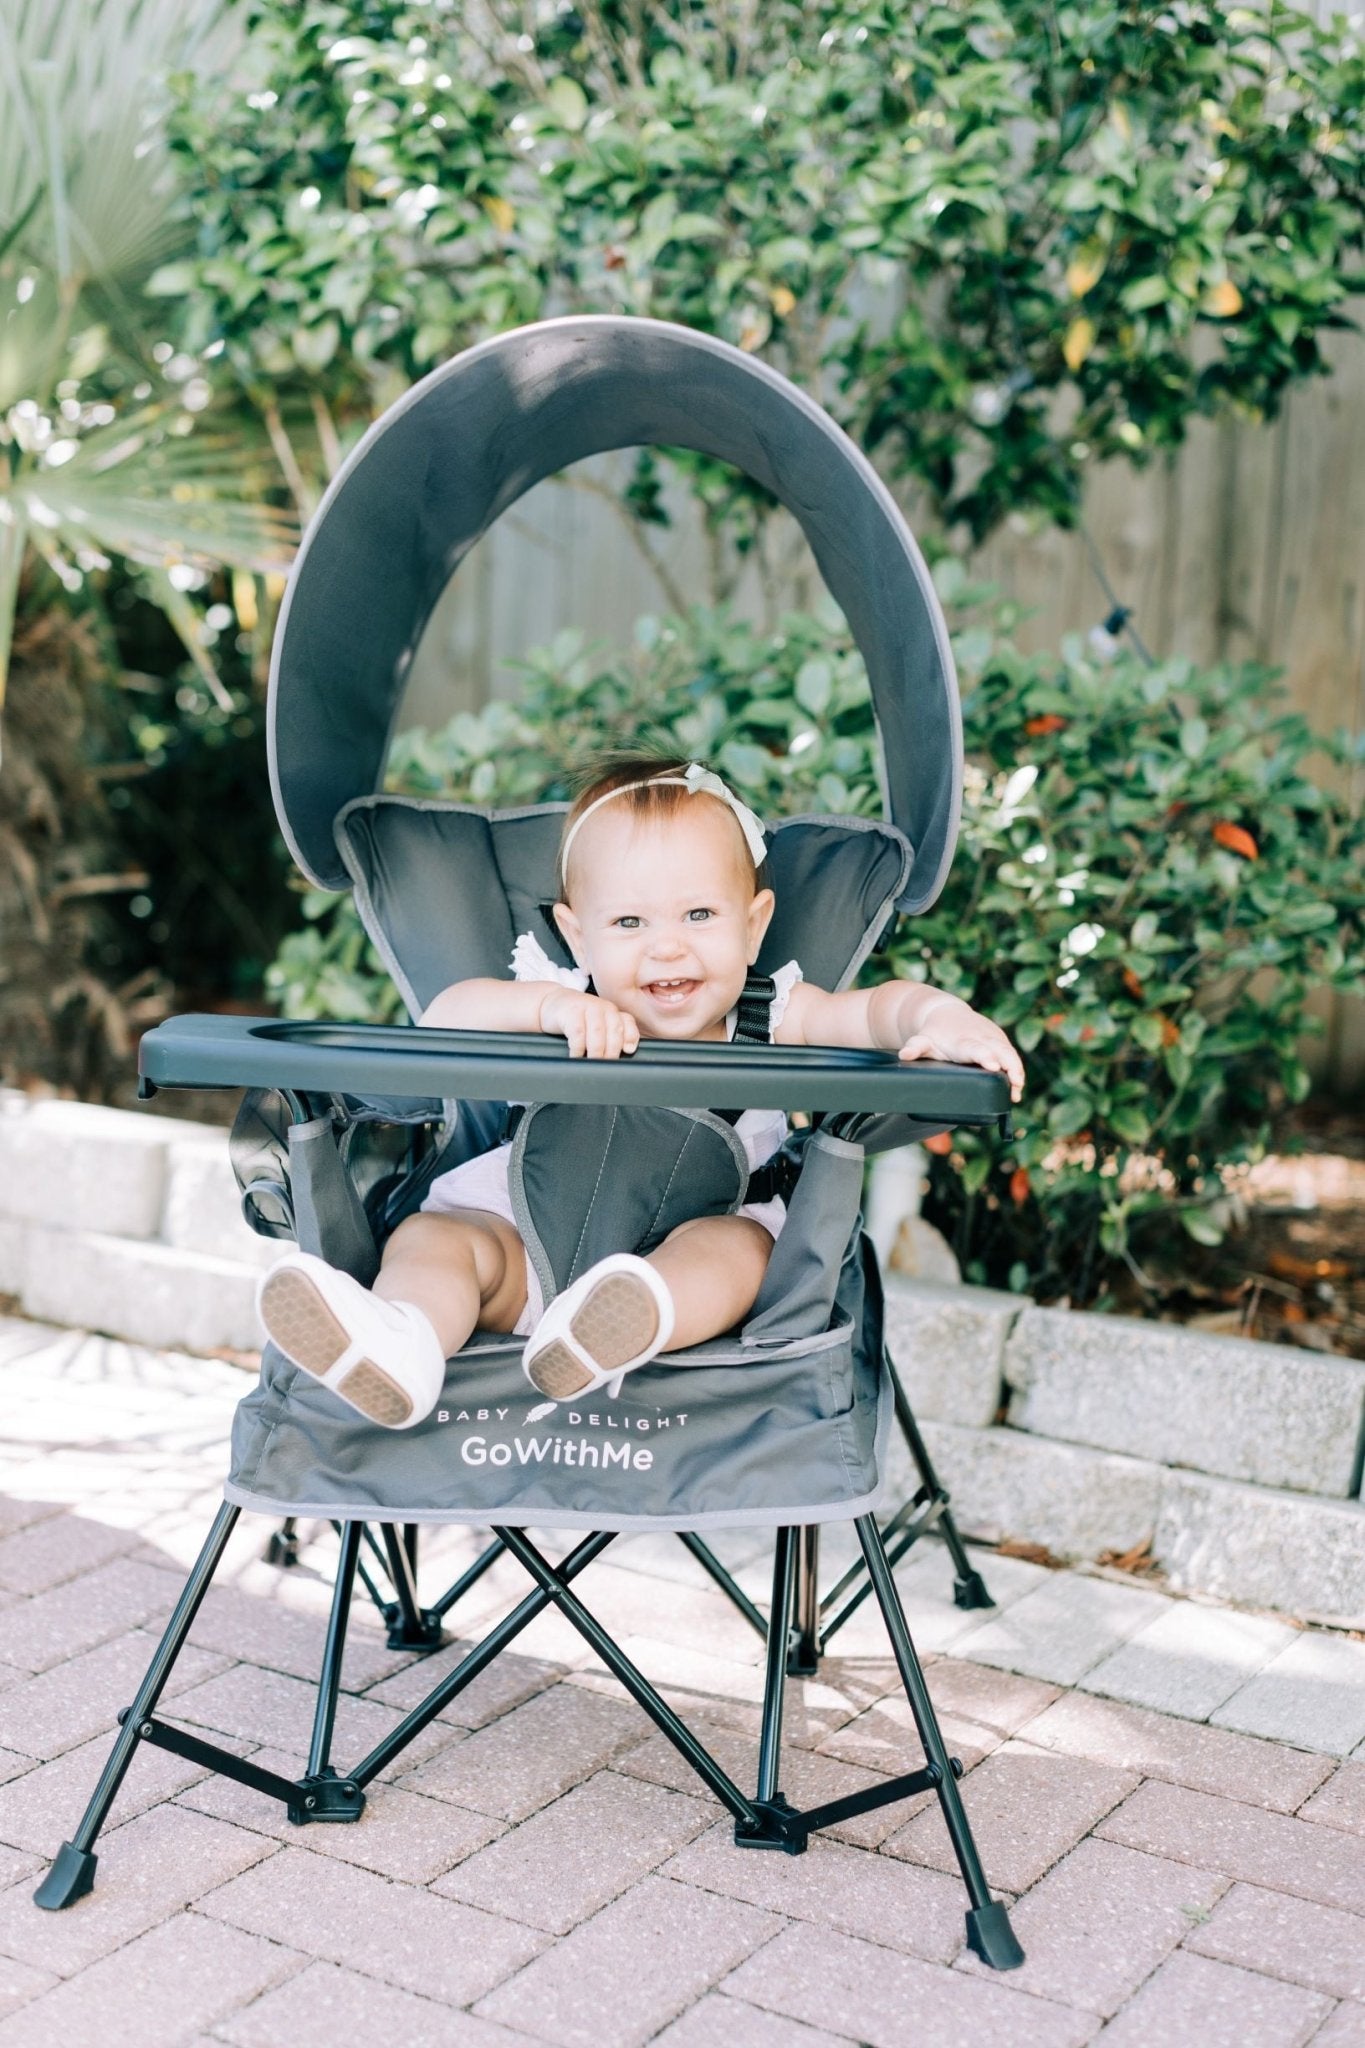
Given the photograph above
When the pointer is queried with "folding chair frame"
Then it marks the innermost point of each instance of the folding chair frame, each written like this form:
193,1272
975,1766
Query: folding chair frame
322,1793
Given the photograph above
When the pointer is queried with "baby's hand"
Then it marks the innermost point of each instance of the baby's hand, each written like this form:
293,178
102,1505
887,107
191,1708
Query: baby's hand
595,1029
954,1031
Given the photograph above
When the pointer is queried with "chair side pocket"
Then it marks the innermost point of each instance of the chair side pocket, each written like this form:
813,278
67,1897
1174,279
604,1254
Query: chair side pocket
329,1216
799,1287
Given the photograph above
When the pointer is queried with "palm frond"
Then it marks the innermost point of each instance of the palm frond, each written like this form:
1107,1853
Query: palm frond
145,488
90,68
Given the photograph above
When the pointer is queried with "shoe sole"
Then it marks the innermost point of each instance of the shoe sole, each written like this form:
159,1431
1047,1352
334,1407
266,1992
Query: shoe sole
303,1326
616,1322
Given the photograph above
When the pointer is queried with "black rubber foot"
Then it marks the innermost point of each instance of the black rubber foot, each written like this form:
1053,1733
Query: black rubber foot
326,1798
780,1826
803,1658
426,1634
282,1549
990,1936
971,1591
72,1875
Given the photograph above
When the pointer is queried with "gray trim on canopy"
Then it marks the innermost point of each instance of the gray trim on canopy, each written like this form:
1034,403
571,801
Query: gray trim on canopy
430,478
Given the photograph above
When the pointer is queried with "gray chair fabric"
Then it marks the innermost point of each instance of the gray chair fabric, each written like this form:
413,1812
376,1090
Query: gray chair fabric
444,888
785,1430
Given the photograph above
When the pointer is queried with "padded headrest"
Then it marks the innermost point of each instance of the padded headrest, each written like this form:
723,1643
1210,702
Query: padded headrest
444,888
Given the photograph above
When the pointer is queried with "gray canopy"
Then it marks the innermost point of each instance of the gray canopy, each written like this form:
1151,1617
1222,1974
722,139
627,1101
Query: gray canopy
429,479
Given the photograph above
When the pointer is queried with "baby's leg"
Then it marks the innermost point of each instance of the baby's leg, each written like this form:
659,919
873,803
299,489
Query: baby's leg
465,1269
384,1351
713,1267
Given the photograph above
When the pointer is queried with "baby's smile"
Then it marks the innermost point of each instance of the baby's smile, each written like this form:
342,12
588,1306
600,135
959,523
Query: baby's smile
672,993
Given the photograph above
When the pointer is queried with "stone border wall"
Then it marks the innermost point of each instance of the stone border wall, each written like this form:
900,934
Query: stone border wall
129,1224
1240,1462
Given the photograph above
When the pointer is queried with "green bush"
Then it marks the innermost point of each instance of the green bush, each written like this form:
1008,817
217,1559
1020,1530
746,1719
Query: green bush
1147,888
1001,242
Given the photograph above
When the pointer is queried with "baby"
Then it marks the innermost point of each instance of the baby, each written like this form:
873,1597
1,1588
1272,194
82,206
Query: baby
663,909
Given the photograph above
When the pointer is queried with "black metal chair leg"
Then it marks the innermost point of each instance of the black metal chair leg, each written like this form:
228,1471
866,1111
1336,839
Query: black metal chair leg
729,1586
411,1626
774,1685
453,1594
73,1870
969,1588
989,1933
325,1795
803,1649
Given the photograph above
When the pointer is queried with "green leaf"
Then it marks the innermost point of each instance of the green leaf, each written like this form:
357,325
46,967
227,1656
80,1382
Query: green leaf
1201,1226
1131,1123
1298,1082
569,102
746,765
1178,1065
171,281
1307,917
314,347
973,649
1070,1115
695,227
814,685
1145,292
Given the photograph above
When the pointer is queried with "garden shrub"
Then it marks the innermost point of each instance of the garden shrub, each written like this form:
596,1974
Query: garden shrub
1147,887
987,237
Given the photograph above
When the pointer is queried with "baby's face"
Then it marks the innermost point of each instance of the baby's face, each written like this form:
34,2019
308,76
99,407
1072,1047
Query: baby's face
664,915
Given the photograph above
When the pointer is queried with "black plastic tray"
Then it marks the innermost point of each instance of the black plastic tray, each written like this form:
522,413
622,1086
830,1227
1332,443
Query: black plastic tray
497,1066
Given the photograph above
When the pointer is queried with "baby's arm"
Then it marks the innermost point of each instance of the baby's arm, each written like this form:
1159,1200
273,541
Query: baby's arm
594,1029
909,1017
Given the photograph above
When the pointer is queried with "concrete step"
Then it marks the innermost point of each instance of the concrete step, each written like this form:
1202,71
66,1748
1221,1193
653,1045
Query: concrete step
1261,1546
948,1344
1263,1413
126,1224
1238,1410
153,1294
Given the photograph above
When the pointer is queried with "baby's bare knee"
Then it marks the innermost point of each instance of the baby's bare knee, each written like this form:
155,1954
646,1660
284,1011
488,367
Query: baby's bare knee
443,1241
724,1236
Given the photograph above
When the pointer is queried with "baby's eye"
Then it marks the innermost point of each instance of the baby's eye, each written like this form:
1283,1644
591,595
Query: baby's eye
698,916
629,923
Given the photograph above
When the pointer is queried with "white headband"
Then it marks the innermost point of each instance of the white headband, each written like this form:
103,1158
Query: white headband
694,778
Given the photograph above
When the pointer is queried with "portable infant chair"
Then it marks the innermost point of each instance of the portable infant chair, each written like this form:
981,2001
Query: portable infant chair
783,1423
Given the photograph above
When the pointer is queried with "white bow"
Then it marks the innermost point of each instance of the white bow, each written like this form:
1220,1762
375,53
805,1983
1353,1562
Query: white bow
693,779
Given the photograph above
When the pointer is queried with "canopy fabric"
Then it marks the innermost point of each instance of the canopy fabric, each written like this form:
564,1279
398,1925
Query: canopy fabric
431,477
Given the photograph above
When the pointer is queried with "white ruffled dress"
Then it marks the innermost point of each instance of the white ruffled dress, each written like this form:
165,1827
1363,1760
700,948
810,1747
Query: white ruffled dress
482,1183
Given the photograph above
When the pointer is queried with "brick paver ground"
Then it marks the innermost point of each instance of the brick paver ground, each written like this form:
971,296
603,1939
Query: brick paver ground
1172,1794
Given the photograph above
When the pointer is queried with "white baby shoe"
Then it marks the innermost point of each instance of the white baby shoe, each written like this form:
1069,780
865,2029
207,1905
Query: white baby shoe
617,1316
383,1358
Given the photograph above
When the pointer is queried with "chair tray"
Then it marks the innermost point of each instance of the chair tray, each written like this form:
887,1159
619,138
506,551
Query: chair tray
507,1066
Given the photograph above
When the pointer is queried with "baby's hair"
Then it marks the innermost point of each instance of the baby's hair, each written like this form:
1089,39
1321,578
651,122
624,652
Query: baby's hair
648,800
